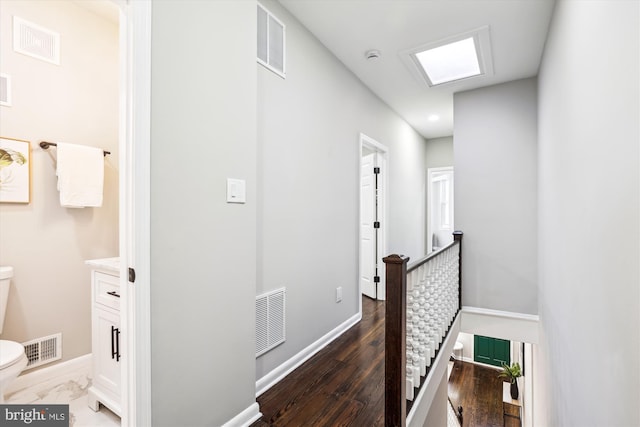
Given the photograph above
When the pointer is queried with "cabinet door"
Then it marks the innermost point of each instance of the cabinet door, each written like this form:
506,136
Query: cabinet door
106,347
492,351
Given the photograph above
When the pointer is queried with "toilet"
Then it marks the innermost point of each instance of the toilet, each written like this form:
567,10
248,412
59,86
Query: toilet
12,356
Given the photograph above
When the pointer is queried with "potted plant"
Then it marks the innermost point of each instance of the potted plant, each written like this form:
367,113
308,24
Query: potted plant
512,373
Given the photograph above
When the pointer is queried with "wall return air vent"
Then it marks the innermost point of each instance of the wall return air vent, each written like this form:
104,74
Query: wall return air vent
270,320
36,41
43,350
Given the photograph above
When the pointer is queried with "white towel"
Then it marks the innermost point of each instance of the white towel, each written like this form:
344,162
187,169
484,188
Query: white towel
80,173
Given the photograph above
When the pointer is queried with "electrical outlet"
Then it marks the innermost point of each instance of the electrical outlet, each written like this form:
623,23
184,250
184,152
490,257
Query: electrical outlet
339,294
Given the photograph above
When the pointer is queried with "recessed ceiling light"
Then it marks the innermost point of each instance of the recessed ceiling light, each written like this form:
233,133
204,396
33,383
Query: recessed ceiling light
453,61
433,118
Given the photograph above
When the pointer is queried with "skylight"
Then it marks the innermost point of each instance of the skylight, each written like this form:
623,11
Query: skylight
450,62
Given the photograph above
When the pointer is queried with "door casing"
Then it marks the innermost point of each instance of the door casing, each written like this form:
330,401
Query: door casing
373,145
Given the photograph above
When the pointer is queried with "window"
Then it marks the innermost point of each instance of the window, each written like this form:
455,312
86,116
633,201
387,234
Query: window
271,42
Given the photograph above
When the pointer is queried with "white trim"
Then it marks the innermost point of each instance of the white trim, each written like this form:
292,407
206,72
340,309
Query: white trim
72,366
273,377
135,130
422,402
486,365
500,324
372,144
246,417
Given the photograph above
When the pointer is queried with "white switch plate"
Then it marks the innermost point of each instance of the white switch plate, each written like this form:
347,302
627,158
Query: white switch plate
339,294
236,190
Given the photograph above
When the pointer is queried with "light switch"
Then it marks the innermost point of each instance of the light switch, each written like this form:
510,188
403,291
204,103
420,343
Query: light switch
236,190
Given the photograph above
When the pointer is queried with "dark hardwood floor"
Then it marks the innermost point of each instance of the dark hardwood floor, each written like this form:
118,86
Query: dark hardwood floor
341,385
479,391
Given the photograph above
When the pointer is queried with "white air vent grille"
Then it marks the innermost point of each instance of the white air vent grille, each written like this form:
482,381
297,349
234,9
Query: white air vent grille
43,350
270,320
36,41
5,90
271,41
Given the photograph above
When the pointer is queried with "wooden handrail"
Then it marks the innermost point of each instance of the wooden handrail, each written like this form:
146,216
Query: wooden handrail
397,268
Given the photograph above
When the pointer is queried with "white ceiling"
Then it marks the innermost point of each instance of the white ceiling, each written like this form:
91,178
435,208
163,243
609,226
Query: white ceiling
349,28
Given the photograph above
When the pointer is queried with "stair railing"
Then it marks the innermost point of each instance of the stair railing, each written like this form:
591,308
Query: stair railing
422,301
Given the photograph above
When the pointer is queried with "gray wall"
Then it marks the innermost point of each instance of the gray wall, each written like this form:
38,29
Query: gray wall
203,254
308,170
589,240
74,102
439,152
495,143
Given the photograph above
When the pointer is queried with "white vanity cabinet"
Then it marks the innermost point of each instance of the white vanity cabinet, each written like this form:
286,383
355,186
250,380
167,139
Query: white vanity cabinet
106,335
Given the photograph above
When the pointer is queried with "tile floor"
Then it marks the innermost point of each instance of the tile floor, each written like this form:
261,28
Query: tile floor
71,389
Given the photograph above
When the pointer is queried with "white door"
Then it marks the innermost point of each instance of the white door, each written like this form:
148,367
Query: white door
368,241
440,210
371,234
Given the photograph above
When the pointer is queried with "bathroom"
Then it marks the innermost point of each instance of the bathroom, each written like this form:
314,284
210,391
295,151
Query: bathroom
75,101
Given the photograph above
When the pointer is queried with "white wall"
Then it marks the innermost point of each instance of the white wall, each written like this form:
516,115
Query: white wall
308,174
203,254
495,140
75,102
589,231
437,415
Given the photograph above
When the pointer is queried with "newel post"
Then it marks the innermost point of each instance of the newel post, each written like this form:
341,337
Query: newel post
395,398
457,237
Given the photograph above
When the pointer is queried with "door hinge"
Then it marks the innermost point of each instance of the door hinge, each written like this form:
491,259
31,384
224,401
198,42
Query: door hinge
376,170
132,275
376,224
376,279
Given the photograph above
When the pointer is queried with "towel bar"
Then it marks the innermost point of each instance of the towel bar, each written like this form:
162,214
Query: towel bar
45,145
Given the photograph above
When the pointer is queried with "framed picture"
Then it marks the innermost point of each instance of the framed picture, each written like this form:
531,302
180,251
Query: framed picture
15,170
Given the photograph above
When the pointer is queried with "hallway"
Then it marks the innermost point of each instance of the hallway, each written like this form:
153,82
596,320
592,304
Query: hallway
343,384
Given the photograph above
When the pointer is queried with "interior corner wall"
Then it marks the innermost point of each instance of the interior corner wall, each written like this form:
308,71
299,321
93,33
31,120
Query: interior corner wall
74,102
203,250
495,163
589,216
308,168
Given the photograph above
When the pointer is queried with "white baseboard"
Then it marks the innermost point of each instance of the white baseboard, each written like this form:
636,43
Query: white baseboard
79,364
486,365
273,377
246,417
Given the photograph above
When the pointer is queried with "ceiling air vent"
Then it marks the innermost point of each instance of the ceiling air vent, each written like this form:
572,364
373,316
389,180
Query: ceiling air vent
5,90
36,41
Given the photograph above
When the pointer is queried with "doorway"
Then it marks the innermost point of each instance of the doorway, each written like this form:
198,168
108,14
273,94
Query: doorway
439,207
373,173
